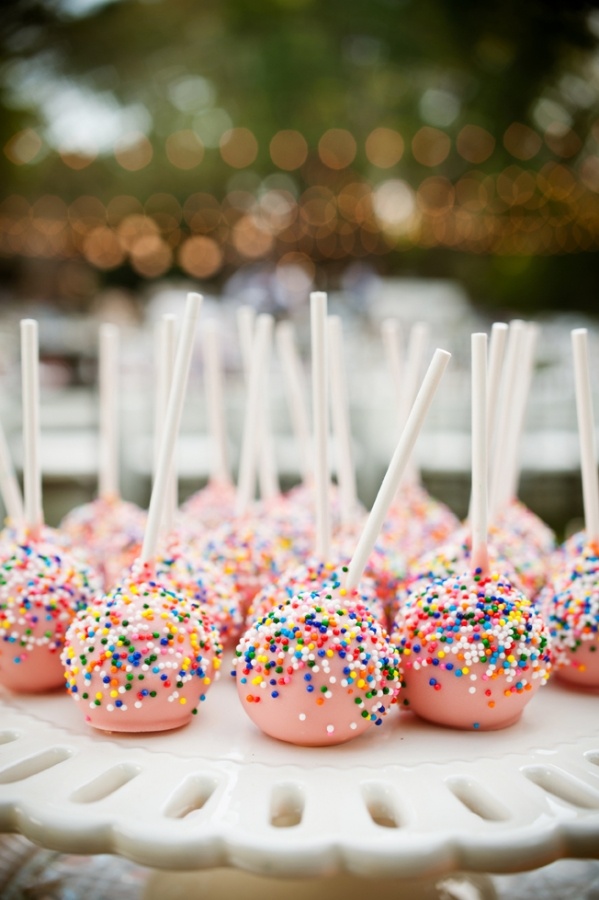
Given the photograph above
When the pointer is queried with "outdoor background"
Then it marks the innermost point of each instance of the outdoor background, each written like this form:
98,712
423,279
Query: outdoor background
425,159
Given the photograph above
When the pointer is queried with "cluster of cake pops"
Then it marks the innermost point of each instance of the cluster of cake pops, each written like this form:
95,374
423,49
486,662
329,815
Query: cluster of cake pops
335,615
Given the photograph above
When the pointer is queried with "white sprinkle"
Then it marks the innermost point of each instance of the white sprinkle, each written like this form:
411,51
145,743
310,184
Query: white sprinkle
472,690
330,729
110,708
302,717
138,704
353,726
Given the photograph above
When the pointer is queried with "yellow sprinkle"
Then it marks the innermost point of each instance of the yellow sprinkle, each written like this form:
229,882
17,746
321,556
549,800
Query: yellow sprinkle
99,695
114,693
465,670
182,700
257,680
329,652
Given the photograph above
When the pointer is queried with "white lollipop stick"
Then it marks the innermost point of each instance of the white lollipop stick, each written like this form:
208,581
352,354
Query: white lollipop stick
171,427
341,424
267,465
419,335
296,395
586,433
251,439
318,330
509,383
246,318
166,352
32,472
267,469
391,335
9,486
495,357
108,363
512,460
499,333
400,458
480,466
215,405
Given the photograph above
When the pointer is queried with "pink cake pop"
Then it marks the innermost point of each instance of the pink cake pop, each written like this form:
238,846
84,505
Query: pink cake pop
474,649
109,528
336,671
41,585
142,658
572,602
143,637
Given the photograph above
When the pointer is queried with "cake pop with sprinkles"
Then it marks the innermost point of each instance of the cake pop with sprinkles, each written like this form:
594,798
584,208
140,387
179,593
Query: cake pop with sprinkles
41,585
143,657
318,669
110,529
572,602
474,649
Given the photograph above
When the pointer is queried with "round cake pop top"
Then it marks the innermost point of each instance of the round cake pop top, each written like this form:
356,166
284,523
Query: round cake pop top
527,542
573,616
141,658
211,506
181,567
111,532
315,576
448,561
416,523
316,670
473,652
41,588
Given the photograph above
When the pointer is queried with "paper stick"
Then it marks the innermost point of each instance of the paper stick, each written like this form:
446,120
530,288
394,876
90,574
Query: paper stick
267,464
480,465
296,391
250,443
246,319
346,474
32,473
586,433
495,356
509,485
108,372
507,393
318,329
171,427
9,486
499,333
389,486
215,405
267,469
166,353
419,335
391,335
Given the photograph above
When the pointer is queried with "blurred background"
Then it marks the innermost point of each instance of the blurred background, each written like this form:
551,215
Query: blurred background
423,159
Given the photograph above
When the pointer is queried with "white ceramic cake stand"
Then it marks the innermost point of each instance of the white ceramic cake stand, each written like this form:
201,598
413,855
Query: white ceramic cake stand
404,800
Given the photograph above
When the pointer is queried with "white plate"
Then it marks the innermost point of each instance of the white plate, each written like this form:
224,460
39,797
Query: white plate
404,800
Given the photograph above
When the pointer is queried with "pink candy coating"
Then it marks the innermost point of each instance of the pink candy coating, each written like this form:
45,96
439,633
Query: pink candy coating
41,588
473,652
317,670
142,658
572,609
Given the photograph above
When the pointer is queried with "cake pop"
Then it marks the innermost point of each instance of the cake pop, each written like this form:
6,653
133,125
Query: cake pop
144,637
474,649
572,603
41,585
336,670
